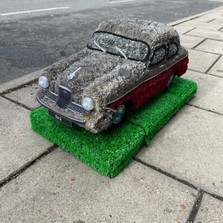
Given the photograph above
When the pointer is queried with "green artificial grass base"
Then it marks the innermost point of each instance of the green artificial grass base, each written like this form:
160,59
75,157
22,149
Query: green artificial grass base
109,152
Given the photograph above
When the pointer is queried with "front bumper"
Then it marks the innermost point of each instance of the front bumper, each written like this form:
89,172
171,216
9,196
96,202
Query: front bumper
63,118
73,113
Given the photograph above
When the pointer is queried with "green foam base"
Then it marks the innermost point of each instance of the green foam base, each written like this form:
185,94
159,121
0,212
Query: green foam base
109,152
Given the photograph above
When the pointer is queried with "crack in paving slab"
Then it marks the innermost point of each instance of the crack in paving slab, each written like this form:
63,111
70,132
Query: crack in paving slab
207,110
9,90
195,208
22,169
17,103
187,183
167,174
213,75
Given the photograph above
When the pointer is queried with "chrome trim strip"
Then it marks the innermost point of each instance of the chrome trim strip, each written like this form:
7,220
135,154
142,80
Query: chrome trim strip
64,88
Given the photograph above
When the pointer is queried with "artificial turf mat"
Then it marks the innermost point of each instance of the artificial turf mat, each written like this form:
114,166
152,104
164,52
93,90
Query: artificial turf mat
109,152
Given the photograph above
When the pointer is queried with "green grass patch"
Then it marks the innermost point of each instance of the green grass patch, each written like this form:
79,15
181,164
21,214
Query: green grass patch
106,152
109,152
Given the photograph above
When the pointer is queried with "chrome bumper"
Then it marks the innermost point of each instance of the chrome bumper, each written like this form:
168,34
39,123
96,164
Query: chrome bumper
73,107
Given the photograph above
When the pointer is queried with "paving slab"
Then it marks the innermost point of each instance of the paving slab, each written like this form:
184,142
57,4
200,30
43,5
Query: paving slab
20,81
190,147
210,16
213,25
59,188
18,144
210,91
25,95
205,18
206,33
217,69
181,29
217,22
190,41
217,13
201,61
211,210
211,46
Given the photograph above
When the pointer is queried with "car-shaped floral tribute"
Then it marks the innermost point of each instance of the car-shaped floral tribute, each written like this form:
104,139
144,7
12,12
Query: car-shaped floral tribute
125,63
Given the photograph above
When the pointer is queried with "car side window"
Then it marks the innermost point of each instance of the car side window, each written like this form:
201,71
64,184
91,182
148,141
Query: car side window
158,55
172,50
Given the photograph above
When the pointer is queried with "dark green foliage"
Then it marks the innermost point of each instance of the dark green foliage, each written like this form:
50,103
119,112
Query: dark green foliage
109,152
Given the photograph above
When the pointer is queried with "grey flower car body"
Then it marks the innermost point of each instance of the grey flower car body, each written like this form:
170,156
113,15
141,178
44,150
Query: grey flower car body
125,63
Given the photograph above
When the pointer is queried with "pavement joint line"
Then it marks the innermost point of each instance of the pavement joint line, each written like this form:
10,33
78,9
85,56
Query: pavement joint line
214,195
22,169
193,48
159,170
213,64
213,75
203,51
166,173
184,21
195,207
207,110
188,34
16,102
189,30
211,20
18,86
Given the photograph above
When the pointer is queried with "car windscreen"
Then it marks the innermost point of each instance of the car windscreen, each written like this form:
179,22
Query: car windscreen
119,45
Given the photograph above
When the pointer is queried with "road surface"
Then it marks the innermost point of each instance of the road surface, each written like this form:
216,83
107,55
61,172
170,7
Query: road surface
34,34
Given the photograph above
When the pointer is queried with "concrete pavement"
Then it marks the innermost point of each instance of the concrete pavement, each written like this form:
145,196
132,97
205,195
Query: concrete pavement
178,178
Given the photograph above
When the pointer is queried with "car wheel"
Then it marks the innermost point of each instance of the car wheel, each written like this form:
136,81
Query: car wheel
170,80
119,114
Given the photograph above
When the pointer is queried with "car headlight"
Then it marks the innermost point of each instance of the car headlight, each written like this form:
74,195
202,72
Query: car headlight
87,103
43,82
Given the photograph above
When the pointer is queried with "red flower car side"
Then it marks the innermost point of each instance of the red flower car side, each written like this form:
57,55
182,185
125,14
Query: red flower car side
125,63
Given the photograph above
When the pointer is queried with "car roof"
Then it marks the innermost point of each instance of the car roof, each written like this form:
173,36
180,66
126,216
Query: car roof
153,33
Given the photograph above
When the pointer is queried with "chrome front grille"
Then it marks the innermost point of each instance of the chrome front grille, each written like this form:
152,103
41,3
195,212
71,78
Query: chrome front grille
64,97
64,100
77,108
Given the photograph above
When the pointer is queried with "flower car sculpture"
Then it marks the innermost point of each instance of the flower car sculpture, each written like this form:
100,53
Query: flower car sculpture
125,63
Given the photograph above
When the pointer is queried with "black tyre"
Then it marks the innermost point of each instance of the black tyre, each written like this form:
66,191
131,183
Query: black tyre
119,114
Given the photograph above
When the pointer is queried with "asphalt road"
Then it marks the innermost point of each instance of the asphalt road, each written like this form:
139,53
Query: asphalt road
34,34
